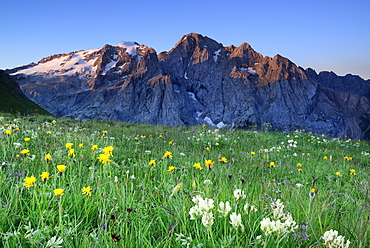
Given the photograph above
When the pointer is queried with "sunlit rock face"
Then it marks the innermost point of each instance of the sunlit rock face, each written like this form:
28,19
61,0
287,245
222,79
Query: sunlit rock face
197,82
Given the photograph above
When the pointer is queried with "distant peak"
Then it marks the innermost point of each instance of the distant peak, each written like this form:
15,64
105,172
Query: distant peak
130,46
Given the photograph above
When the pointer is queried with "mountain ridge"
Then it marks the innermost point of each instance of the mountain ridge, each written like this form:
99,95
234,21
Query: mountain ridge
199,81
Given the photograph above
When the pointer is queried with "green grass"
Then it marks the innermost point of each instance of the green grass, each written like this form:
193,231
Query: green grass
13,101
134,204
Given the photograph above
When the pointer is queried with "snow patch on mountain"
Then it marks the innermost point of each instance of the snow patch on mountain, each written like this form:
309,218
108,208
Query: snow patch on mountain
130,47
65,65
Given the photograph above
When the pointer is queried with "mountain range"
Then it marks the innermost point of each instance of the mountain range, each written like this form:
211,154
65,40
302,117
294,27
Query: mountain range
199,81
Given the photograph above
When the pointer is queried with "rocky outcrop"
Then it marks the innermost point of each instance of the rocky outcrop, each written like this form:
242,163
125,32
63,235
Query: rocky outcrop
197,82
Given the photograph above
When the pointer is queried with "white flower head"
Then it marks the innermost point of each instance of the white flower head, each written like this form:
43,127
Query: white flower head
225,208
249,209
239,194
331,239
236,220
207,219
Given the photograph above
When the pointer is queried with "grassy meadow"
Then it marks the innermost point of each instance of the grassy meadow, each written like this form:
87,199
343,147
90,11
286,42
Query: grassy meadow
65,183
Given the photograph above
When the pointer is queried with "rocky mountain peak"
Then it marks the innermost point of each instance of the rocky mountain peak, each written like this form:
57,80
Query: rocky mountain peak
199,81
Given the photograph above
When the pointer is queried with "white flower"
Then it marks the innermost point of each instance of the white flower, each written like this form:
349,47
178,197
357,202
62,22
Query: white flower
277,209
332,240
249,208
224,208
236,220
207,181
195,212
204,204
238,193
299,185
207,219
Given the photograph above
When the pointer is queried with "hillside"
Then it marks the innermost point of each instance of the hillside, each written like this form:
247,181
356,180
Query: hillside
13,100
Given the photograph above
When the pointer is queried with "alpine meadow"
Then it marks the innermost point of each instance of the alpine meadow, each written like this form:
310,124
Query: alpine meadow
68,183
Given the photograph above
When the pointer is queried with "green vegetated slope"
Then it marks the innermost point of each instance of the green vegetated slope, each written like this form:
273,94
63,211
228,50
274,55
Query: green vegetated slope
12,100
66,183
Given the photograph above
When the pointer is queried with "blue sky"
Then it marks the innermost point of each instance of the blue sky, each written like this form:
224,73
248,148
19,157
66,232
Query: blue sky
321,34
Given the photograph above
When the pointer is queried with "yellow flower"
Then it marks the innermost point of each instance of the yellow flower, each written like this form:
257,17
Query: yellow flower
61,167
27,139
253,153
136,138
143,137
48,132
94,147
207,148
209,163
152,162
167,154
312,190
197,165
108,150
47,157
308,154
8,132
348,158
58,192
25,151
29,181
81,145
325,157
170,143
86,191
71,152
171,168
223,160
338,174
300,170
69,145
104,158
352,172
45,175
104,132
160,136
272,164
299,165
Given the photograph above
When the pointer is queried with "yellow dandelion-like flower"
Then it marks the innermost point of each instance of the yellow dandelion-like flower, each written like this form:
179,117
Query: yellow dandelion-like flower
352,172
143,137
61,167
160,136
48,132
69,145
325,157
8,132
338,174
197,166
300,170
104,132
170,142
71,152
253,153
207,149
299,165
223,160
136,138
167,154
272,164
171,168
104,158
152,162
86,191
25,151
45,175
27,139
209,163
108,150
94,147
29,181
81,145
58,192
48,157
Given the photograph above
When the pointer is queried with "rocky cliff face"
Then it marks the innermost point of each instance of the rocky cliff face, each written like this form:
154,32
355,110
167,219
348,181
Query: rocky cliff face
198,82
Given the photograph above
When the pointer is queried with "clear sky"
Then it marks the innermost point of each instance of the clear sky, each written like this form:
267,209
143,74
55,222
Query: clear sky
332,35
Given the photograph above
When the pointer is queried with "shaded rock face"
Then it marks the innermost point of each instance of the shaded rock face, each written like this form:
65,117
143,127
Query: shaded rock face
198,82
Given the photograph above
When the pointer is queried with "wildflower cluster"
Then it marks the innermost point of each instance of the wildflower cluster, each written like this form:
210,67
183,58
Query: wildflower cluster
332,240
281,222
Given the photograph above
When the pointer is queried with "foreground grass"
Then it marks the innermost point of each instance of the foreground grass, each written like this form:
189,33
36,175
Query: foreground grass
142,197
